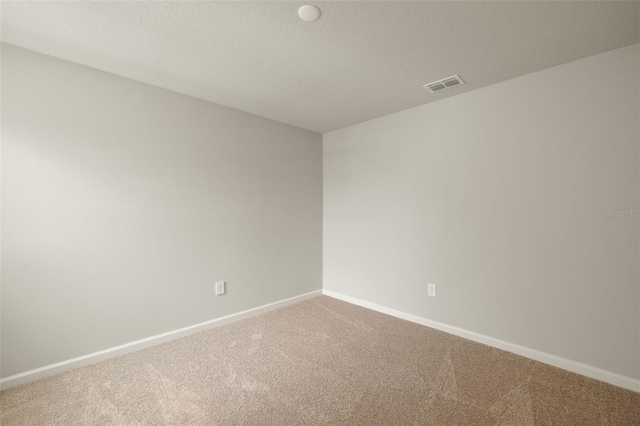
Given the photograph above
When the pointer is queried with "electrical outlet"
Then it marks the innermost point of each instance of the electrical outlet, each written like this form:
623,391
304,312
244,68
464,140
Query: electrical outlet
432,290
219,288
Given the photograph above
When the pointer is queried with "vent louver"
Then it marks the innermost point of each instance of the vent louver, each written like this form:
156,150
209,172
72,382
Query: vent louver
445,83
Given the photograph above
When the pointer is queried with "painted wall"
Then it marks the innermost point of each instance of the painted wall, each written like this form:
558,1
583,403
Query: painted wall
122,204
503,197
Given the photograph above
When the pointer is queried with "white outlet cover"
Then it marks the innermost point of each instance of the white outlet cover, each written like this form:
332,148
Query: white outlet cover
219,288
432,290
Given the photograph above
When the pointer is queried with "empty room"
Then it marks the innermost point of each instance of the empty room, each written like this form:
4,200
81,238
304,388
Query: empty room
330,213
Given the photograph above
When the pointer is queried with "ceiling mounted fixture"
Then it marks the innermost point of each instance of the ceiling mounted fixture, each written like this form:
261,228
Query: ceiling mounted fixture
308,13
445,83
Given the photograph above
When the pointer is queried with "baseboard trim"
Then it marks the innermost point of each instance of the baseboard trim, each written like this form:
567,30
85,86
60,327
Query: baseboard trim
556,361
81,361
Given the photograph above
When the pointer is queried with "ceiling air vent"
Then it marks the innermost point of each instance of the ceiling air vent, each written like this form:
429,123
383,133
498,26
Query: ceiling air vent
445,83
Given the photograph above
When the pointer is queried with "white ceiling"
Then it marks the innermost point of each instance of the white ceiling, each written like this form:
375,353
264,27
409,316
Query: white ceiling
360,60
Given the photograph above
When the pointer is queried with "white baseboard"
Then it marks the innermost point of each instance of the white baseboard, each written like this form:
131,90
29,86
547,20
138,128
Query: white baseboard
564,363
59,367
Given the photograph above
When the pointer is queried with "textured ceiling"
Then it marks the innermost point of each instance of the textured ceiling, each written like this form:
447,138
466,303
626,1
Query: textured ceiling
360,60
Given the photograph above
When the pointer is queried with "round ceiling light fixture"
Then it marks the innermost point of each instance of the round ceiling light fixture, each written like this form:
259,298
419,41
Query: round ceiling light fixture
308,13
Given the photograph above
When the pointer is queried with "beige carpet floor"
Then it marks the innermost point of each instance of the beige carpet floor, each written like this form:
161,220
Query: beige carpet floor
321,361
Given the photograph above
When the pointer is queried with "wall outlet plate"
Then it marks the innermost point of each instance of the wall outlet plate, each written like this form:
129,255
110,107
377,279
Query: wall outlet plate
432,290
219,288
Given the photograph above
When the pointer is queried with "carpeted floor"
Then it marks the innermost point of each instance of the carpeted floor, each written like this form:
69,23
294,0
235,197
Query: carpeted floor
321,361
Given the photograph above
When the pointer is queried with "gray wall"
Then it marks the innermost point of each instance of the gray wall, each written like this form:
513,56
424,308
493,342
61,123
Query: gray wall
499,197
123,203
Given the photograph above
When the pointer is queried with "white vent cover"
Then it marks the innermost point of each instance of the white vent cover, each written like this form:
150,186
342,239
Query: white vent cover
445,83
